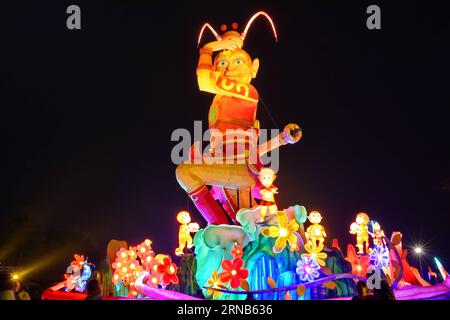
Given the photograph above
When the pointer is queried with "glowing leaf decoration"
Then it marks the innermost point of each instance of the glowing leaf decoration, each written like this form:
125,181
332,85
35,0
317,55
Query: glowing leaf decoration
301,290
244,285
287,296
271,282
325,270
396,238
330,285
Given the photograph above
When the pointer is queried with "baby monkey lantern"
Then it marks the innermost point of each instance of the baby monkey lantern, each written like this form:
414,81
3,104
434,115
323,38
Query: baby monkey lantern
268,190
316,232
184,234
360,228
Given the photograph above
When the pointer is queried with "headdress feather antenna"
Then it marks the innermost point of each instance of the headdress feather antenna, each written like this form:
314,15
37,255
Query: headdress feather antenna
207,25
256,15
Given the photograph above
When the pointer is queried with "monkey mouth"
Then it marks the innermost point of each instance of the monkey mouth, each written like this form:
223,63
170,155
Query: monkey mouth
233,75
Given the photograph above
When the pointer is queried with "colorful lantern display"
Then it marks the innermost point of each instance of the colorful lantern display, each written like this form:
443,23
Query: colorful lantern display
380,256
129,265
284,232
377,234
308,269
77,274
262,232
360,263
215,283
233,272
168,270
315,253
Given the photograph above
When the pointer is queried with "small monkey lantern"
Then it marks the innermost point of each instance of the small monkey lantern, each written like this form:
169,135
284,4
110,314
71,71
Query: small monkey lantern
316,232
360,228
268,190
184,234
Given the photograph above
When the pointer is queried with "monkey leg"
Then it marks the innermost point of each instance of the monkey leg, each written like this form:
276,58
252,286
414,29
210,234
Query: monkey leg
273,209
263,211
360,248
189,242
321,240
360,245
366,242
181,244
193,178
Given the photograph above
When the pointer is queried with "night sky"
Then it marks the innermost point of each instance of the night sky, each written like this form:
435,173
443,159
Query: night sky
87,117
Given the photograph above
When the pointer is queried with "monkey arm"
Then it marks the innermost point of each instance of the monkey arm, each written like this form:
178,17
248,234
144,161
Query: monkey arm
291,134
193,227
205,71
270,145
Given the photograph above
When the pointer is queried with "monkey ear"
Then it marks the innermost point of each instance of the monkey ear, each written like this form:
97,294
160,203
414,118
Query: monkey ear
255,67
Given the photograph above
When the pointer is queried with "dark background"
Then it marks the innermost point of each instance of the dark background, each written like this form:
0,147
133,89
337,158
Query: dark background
87,117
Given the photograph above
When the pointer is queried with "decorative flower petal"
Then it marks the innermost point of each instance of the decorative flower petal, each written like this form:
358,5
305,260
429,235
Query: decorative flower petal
243,273
282,219
321,255
280,244
321,262
235,282
292,240
293,225
237,251
237,263
225,276
271,232
227,265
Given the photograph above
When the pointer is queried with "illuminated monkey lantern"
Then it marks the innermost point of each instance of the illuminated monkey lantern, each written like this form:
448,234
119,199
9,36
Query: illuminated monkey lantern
378,236
316,232
184,234
227,76
268,190
360,228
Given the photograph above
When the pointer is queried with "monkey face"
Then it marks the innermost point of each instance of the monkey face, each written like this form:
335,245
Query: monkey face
362,218
267,179
236,65
184,217
315,217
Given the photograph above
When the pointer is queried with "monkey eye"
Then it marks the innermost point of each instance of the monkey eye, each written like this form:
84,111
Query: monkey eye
223,63
238,62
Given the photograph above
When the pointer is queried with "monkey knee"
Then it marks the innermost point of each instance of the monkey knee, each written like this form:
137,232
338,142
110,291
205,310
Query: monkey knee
181,172
183,176
187,178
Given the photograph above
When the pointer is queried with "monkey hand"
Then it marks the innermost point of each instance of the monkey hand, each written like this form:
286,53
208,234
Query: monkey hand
354,228
291,133
225,44
193,227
